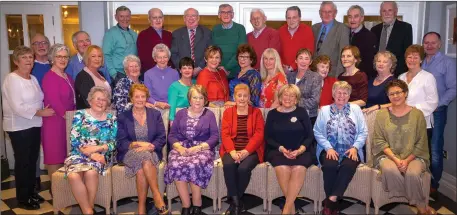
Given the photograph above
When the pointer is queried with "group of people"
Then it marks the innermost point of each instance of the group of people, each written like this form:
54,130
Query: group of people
318,81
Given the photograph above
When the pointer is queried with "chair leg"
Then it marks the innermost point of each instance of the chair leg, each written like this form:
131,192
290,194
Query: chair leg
269,206
264,205
319,206
376,210
367,208
56,211
107,209
214,205
169,205
219,203
114,206
315,207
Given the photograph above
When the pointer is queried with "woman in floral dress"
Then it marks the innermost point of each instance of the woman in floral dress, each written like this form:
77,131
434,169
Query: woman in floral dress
193,136
93,140
273,77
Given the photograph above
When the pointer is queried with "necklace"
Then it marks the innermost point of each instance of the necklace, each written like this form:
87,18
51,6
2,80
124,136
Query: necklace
288,110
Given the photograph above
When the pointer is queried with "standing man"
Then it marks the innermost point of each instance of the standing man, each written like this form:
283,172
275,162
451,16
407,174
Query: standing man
191,41
393,35
294,36
330,36
363,39
262,37
118,42
81,40
228,36
40,47
443,69
150,37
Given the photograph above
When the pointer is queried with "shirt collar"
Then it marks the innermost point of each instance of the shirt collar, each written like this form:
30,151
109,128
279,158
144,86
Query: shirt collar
80,58
43,63
330,24
358,29
189,29
391,24
119,26
230,25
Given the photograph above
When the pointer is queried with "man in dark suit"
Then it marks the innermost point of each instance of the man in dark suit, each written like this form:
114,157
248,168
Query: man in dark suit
330,37
363,39
191,41
393,35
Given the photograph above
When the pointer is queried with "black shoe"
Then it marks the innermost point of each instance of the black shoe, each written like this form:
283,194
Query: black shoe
235,207
195,210
37,198
185,211
30,204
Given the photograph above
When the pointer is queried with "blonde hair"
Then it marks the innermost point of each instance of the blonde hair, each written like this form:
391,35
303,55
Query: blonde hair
198,89
269,52
341,85
138,87
289,88
240,87
387,54
89,50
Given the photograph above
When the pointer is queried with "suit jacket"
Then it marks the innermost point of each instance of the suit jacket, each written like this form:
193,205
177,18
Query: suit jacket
400,39
126,132
336,39
180,45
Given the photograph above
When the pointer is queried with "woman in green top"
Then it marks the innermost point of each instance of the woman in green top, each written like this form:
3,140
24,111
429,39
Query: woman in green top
400,148
177,92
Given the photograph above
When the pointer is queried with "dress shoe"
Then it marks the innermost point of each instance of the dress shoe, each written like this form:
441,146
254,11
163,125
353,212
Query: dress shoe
196,210
37,198
30,204
185,211
236,206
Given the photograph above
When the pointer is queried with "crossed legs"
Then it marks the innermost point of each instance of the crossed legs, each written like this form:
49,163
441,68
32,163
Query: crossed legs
147,177
84,187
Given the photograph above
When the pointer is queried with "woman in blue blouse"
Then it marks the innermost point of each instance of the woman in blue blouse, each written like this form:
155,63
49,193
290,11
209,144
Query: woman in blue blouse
247,59
340,132
385,63
177,92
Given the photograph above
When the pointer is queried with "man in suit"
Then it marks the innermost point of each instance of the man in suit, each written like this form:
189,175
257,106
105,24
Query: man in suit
191,41
393,35
150,37
262,37
363,39
330,36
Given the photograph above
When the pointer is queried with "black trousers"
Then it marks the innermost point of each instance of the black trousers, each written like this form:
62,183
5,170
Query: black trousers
26,148
337,175
238,175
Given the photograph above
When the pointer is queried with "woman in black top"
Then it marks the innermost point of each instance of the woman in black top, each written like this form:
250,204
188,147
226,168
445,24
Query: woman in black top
288,136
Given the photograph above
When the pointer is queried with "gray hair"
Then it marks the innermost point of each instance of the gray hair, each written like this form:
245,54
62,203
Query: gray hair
185,12
329,2
393,2
101,89
123,8
73,37
224,6
294,8
160,48
57,48
257,10
341,85
130,58
362,12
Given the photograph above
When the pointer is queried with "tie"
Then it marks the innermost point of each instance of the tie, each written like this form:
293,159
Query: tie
321,39
383,40
192,45
351,36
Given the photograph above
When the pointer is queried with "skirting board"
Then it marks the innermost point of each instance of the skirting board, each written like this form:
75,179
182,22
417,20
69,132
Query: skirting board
448,186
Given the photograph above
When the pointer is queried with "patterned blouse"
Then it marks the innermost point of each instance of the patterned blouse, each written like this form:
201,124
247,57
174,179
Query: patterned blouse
267,95
121,100
253,80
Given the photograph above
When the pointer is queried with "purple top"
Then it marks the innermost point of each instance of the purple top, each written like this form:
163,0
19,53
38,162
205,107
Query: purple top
158,81
206,129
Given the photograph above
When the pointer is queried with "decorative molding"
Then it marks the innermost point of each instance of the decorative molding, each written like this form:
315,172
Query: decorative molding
448,186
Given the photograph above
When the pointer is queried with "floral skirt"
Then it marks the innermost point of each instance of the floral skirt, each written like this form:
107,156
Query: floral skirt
77,163
133,161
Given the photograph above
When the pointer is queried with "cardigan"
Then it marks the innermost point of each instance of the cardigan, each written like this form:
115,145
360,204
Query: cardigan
268,38
206,129
83,84
365,41
126,132
309,85
326,92
229,40
255,131
75,66
177,97
302,38
217,89
359,84
118,43
147,40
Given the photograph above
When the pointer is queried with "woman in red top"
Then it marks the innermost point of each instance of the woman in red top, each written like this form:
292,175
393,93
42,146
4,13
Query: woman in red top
273,78
350,58
242,145
322,66
214,78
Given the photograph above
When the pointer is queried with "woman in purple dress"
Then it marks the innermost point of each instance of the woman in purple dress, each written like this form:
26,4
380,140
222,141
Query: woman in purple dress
59,94
193,136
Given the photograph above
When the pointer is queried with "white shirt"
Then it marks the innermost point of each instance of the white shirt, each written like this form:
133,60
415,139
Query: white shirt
21,99
423,94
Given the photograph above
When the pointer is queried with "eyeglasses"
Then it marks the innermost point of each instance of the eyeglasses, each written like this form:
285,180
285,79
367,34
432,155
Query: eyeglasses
244,57
60,57
40,43
395,93
100,100
226,12
197,98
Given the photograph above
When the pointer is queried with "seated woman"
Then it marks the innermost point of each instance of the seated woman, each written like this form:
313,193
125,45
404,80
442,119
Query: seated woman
340,132
385,63
350,58
288,136
140,139
90,76
322,65
273,78
193,136
213,78
247,58
308,82
93,140
242,145
400,148
177,92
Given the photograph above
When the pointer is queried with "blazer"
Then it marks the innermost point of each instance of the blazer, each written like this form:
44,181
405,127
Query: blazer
126,132
255,128
180,45
400,39
336,39
83,84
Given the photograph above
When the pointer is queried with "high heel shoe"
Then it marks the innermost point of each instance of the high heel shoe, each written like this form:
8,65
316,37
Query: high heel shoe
196,210
185,211
162,210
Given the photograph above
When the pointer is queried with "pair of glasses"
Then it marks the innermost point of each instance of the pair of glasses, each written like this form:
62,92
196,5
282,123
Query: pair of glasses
244,57
395,93
43,43
60,57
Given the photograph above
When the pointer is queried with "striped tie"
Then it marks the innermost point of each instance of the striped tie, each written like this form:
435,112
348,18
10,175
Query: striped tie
192,40
321,39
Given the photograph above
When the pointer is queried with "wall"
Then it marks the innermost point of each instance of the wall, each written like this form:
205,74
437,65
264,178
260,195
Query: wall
93,20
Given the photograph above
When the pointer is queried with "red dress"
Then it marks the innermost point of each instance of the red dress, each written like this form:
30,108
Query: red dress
215,83
267,95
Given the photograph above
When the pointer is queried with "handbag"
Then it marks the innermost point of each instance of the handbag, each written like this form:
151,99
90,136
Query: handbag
5,168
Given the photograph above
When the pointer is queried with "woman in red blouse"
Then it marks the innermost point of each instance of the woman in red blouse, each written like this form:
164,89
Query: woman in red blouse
322,65
273,78
350,58
214,78
242,145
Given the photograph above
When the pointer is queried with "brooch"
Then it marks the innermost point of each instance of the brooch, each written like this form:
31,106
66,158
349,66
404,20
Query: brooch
293,119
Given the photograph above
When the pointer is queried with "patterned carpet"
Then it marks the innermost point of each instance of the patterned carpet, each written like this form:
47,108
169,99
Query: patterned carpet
253,204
